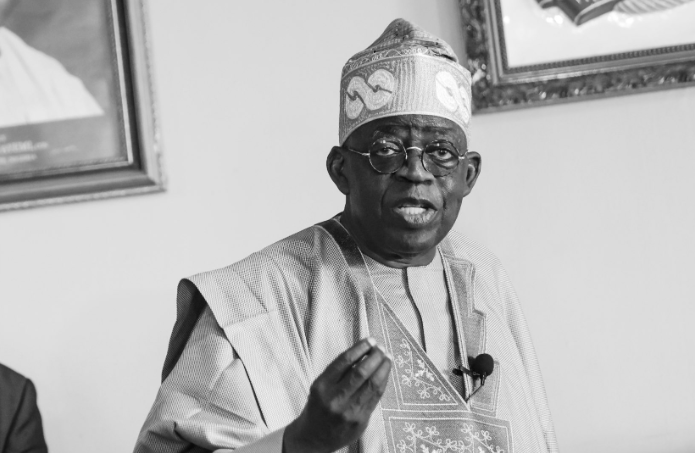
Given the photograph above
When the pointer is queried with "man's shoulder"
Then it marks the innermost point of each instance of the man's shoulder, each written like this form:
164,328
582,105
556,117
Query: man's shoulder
487,268
462,247
258,283
298,250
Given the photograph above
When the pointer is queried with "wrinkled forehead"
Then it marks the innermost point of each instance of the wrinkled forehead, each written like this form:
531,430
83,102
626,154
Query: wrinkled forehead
408,128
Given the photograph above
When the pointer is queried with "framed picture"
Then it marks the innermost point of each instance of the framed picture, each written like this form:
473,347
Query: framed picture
524,53
77,115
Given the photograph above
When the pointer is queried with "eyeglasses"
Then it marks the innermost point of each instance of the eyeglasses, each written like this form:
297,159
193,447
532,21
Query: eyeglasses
387,156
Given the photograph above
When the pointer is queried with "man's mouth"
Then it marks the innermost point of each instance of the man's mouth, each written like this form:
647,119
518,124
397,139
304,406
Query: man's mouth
412,210
415,212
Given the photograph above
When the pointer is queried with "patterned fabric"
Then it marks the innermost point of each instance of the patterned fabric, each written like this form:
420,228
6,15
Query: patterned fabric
275,320
418,296
392,284
405,71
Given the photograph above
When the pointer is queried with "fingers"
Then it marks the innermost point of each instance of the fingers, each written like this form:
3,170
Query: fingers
347,359
354,381
334,416
362,371
371,391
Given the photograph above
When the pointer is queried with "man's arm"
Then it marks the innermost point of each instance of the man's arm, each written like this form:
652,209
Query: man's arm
206,401
520,331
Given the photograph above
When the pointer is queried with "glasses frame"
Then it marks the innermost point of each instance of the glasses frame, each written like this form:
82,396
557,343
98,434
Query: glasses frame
405,152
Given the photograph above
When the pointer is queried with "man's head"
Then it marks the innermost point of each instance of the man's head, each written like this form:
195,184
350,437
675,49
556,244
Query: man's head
403,163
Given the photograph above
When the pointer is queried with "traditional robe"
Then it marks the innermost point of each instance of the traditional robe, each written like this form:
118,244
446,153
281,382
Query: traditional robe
284,313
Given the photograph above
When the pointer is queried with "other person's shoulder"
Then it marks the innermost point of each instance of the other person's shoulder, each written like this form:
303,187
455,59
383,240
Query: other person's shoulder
10,378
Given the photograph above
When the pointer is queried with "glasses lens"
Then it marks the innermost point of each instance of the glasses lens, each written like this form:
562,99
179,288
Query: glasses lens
386,156
440,158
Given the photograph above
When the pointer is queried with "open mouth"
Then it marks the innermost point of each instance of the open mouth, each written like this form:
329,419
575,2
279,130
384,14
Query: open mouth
416,212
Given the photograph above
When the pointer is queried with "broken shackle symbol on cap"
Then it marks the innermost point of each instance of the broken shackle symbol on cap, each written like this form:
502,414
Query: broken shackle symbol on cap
372,94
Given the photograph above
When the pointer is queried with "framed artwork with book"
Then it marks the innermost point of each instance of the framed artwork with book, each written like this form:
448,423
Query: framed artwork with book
77,115
524,53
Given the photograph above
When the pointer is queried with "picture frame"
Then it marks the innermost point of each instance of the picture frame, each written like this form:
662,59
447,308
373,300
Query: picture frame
525,53
89,129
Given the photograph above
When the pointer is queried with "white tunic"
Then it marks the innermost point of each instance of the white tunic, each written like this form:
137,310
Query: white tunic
418,295
251,337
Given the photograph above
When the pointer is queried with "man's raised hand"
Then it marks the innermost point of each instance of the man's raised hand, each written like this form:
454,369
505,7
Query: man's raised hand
341,400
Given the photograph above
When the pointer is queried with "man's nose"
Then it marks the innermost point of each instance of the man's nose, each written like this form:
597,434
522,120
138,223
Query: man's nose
413,168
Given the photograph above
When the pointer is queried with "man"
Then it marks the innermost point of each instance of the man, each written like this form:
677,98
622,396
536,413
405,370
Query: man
35,87
21,430
359,333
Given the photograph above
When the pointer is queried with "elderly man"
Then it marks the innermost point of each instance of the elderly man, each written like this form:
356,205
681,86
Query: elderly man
361,333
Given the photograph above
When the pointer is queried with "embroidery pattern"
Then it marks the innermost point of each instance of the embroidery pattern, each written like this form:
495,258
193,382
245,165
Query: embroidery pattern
372,94
351,65
452,95
417,441
422,379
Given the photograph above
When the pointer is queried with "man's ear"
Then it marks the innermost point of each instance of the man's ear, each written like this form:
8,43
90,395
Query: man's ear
474,165
335,164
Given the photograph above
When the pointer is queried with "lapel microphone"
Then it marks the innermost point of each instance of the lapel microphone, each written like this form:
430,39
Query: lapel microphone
481,367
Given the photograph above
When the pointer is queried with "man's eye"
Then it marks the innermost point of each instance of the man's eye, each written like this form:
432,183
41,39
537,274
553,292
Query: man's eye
385,151
441,154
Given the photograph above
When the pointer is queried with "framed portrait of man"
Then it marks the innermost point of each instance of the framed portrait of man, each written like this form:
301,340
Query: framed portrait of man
77,114
534,52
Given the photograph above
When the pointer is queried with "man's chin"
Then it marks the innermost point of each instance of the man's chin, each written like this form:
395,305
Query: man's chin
413,243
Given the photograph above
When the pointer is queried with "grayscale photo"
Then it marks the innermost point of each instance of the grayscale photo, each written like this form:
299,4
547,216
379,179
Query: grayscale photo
443,226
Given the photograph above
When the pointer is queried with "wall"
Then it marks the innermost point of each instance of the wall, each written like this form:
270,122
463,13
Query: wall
589,205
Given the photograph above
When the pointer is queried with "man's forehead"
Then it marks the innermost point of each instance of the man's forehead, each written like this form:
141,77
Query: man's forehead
424,122
421,123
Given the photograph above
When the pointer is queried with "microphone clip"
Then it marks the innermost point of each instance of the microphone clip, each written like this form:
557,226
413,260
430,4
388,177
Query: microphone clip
481,367
460,370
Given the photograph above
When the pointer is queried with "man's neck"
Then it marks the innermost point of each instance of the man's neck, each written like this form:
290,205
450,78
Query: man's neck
400,262
390,260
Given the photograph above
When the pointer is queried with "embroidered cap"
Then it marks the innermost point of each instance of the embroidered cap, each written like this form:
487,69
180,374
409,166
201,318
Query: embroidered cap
405,71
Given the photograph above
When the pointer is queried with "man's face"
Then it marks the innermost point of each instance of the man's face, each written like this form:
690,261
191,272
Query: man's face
401,217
